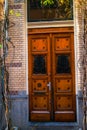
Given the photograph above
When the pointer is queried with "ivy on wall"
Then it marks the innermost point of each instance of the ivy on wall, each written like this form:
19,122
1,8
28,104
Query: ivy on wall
5,40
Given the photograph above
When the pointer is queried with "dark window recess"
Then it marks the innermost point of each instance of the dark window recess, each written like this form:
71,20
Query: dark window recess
63,65
39,65
58,10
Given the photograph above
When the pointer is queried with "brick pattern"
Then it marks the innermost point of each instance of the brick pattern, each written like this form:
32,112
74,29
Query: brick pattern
79,31
19,64
16,59
13,92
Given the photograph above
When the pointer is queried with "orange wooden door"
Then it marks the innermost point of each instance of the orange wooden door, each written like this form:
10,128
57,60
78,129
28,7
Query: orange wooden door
51,75
63,76
39,77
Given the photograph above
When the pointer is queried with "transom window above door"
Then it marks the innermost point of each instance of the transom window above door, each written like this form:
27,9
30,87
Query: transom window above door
49,10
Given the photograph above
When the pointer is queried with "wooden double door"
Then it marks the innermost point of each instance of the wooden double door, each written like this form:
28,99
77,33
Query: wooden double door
51,75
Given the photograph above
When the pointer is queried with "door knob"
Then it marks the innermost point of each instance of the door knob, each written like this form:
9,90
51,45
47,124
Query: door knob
49,85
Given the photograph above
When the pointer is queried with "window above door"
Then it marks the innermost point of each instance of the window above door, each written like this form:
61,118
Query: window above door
49,10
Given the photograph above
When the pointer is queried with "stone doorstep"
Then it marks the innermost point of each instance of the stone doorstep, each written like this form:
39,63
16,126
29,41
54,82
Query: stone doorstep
52,128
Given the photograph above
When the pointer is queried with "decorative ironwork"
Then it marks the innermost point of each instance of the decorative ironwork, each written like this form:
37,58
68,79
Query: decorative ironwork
63,65
39,10
39,66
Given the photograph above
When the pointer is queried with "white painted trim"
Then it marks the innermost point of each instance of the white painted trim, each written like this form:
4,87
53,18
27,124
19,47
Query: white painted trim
26,46
76,61
75,48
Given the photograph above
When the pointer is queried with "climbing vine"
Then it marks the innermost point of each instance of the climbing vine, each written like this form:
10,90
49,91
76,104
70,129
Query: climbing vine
82,62
5,41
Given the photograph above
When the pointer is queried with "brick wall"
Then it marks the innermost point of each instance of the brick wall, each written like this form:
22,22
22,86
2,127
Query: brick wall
16,60
79,31
77,16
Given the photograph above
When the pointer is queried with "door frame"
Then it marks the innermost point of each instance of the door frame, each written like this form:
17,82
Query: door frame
70,23
53,30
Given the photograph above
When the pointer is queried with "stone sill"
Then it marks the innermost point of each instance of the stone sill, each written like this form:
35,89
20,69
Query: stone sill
46,24
38,124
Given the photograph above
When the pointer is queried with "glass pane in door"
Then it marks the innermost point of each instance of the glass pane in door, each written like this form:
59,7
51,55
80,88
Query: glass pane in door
39,64
44,10
63,64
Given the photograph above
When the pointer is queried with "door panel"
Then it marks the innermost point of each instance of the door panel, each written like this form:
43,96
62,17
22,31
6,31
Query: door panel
63,85
39,85
39,44
39,70
51,75
63,77
62,42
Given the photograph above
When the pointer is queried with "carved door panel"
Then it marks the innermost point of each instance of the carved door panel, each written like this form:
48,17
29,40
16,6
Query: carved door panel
39,77
63,77
51,75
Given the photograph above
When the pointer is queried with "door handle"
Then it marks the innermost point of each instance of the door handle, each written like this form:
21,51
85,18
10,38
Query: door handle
49,85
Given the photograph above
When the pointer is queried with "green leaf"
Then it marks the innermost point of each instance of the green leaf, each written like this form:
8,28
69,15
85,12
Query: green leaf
47,2
18,14
11,12
0,45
